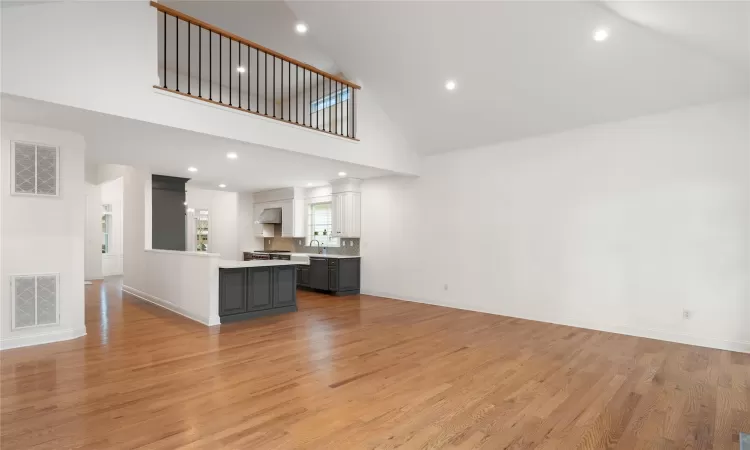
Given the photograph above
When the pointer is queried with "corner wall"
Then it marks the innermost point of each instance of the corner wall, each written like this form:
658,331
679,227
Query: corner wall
44,235
617,227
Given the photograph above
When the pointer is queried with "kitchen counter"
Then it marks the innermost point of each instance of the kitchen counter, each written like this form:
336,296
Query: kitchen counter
229,264
318,255
315,255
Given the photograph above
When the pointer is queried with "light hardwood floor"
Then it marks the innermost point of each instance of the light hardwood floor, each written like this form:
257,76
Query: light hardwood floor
364,373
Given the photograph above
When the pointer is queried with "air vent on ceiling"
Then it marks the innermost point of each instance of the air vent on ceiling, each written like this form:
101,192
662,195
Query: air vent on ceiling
34,300
34,169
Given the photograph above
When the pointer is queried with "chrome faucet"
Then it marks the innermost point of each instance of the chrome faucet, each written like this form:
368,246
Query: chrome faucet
315,240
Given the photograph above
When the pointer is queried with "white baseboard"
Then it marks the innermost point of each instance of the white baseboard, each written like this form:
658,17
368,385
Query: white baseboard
662,335
210,321
214,320
47,337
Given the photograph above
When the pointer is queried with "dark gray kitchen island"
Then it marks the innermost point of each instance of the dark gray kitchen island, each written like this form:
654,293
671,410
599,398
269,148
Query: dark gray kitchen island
249,289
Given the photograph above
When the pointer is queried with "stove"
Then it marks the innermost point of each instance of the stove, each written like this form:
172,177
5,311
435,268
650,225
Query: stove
266,255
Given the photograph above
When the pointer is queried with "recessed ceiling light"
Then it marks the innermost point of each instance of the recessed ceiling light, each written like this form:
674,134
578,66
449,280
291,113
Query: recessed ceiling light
232,155
222,185
450,85
601,34
342,174
301,28
192,169
309,184
241,69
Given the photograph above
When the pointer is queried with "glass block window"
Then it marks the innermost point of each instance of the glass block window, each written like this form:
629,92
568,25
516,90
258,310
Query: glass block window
35,169
320,219
35,300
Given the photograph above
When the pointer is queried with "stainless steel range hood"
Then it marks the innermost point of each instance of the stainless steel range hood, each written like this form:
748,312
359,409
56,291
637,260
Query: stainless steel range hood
270,215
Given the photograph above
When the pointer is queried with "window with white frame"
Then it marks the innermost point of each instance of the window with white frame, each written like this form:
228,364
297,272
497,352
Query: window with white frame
106,228
320,220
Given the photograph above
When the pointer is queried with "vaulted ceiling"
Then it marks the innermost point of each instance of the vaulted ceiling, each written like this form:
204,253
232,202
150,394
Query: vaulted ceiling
521,68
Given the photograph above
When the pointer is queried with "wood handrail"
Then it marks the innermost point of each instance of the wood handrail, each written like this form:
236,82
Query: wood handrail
249,43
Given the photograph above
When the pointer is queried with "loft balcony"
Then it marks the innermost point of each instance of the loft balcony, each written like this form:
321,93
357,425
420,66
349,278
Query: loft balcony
205,62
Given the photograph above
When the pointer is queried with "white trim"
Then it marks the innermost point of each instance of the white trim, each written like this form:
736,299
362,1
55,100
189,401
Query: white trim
662,335
210,321
36,276
65,334
13,170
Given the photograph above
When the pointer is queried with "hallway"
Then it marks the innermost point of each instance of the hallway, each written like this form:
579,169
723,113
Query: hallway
364,372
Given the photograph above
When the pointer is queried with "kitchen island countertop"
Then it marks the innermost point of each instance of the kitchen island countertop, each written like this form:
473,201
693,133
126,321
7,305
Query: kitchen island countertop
229,264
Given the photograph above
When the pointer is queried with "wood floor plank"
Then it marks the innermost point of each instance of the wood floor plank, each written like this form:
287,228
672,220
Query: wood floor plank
363,373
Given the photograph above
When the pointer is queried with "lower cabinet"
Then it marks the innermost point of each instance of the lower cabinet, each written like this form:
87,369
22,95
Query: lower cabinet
319,273
340,276
245,293
303,276
232,290
348,275
285,292
260,288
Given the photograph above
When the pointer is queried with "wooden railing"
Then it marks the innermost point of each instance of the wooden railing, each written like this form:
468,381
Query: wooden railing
202,61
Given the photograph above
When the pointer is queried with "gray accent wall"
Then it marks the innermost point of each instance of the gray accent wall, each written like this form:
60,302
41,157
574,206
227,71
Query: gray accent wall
168,212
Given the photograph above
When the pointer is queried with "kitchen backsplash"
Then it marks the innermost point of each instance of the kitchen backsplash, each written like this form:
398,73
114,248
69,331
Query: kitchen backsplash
292,244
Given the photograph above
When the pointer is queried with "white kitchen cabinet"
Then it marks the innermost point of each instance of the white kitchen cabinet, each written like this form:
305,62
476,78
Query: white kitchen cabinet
346,211
293,218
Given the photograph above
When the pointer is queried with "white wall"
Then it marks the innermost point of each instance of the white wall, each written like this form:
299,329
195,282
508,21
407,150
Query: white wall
111,65
184,282
223,219
93,233
44,235
615,227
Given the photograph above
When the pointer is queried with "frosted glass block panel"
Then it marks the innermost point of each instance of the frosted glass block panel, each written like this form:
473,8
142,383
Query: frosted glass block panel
46,170
24,169
46,299
25,306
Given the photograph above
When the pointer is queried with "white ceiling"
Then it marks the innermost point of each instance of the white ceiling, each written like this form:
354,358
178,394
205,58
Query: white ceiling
528,68
719,28
170,151
268,23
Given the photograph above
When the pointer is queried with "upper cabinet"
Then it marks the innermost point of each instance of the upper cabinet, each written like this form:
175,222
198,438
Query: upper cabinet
292,205
346,210
293,218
